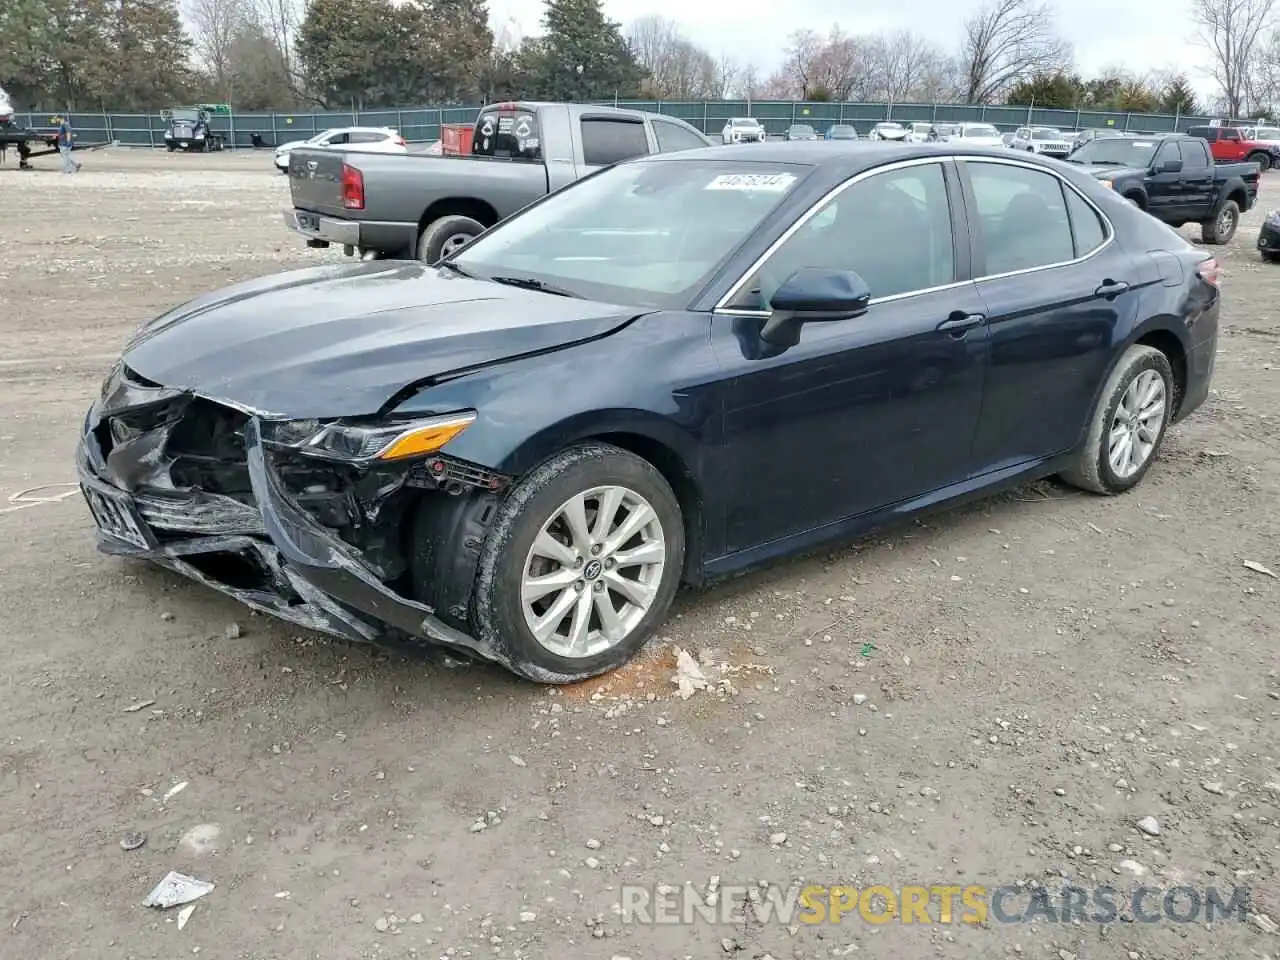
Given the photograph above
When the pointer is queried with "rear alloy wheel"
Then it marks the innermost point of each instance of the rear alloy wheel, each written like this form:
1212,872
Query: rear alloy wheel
580,566
1222,227
1128,425
445,236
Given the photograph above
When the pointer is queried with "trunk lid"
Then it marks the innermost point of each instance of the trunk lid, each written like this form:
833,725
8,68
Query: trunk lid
315,180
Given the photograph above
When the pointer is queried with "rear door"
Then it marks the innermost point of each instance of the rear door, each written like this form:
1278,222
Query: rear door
1054,284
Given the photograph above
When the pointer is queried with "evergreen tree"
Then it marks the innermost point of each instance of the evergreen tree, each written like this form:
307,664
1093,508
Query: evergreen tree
581,56
1178,97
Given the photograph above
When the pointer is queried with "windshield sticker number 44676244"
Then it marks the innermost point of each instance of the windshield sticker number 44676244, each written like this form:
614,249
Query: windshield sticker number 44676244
768,182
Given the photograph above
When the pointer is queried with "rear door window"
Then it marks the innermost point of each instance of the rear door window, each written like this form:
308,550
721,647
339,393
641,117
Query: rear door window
672,137
508,132
607,140
1195,155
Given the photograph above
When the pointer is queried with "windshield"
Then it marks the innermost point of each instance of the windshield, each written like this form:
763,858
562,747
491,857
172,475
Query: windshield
186,115
802,129
841,128
1046,133
888,126
643,234
945,129
322,135
749,122
1120,151
979,130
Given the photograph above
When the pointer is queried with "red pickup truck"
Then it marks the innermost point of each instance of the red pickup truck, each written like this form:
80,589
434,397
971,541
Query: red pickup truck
1230,145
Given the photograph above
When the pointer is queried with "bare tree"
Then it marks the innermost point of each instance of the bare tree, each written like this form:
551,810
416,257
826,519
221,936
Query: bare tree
1232,30
1006,42
279,20
676,68
749,85
898,65
728,76
215,27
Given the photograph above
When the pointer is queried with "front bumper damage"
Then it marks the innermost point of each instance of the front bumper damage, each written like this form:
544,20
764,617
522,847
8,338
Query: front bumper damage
254,540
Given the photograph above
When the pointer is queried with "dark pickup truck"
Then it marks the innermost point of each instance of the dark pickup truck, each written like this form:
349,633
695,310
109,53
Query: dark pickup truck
420,205
1174,178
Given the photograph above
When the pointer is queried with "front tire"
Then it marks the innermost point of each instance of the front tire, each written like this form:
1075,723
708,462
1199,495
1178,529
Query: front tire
1128,424
580,565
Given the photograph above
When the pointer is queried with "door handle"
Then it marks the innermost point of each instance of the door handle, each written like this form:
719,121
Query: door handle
1111,288
960,323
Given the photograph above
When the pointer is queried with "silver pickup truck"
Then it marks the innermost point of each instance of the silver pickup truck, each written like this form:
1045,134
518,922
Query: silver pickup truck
425,206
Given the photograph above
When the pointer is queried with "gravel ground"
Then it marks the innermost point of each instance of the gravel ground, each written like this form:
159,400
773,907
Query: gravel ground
994,697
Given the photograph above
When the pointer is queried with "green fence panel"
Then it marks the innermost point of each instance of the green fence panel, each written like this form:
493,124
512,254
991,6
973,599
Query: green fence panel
422,123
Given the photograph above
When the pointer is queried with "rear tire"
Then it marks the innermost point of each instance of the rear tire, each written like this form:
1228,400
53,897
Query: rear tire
1222,227
506,595
446,235
1271,256
1263,160
1136,404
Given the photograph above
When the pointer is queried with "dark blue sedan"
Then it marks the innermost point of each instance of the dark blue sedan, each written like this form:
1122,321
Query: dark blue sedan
672,370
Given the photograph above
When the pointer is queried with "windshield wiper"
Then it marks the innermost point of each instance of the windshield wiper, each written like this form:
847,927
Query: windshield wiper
529,283
454,268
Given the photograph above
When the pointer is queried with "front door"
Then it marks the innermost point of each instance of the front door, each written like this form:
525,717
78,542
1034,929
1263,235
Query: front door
1053,282
1166,192
864,412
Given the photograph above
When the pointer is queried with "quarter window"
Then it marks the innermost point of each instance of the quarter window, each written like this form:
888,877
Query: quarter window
1089,230
893,228
1022,217
612,141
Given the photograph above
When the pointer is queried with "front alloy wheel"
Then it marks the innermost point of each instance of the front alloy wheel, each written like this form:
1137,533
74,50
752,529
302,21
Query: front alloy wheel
593,571
579,565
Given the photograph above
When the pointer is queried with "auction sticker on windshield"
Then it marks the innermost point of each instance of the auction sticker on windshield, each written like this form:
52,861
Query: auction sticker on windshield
767,182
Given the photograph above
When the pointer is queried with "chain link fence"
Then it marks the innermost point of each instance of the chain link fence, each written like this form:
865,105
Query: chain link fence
423,124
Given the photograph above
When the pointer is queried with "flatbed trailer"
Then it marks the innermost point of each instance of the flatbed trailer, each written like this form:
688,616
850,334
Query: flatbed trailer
35,143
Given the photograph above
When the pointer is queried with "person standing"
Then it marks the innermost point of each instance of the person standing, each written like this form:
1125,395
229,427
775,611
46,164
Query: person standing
66,138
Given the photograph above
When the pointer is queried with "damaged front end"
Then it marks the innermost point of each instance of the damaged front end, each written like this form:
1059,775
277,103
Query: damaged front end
358,530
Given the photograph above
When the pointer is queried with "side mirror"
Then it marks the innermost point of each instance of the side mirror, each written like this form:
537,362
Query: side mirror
1170,166
813,294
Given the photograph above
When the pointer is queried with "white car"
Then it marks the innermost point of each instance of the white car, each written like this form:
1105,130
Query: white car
367,139
888,130
977,135
1049,141
918,132
742,130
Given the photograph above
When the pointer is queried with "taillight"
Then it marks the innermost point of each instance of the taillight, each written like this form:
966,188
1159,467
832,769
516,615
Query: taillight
400,142
1210,271
352,188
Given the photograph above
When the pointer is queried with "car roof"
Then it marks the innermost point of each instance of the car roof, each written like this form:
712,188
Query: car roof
849,158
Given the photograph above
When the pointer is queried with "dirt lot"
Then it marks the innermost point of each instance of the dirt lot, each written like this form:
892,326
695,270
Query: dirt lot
996,697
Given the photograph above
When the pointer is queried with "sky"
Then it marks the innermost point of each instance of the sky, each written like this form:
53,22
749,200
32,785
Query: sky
1139,35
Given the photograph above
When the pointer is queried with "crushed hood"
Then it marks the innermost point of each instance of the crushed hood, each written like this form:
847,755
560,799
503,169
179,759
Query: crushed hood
342,341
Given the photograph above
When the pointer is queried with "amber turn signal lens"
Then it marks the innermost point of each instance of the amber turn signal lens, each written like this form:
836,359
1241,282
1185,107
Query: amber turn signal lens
426,439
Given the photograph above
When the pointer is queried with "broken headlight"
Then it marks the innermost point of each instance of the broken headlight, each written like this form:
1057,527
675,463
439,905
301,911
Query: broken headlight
367,443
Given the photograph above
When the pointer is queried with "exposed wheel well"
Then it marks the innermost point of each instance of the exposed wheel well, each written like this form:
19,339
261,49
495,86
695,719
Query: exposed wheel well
1240,197
477,210
674,471
1137,199
1168,344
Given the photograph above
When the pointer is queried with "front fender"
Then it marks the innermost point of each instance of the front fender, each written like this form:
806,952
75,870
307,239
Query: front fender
515,455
